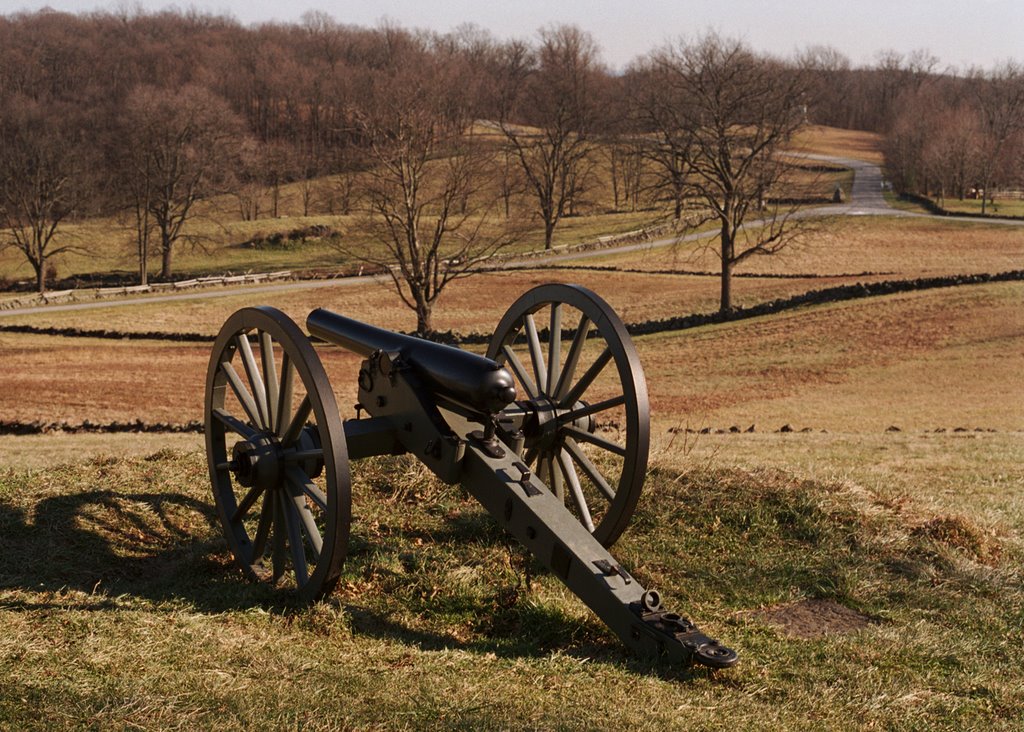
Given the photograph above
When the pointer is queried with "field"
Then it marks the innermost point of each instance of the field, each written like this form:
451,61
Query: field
220,240
841,143
836,491
1000,207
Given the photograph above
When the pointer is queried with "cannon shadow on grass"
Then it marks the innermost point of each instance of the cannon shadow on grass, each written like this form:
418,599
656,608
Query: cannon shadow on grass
166,548
105,543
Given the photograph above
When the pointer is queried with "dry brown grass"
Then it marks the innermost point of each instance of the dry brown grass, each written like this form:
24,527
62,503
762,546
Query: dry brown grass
854,144
472,305
941,358
55,379
912,247
37,452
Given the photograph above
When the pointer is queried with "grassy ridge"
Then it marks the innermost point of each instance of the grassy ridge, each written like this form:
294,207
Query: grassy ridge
121,609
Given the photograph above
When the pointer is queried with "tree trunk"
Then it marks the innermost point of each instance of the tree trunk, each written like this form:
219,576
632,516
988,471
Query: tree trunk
549,229
424,318
726,300
727,264
40,278
143,258
165,264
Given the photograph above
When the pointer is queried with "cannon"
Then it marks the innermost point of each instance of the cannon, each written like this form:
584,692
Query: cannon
549,431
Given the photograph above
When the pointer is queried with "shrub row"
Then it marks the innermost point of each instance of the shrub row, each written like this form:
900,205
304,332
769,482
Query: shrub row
36,427
812,297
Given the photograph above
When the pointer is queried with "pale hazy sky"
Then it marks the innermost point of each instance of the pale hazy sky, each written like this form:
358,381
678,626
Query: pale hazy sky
960,33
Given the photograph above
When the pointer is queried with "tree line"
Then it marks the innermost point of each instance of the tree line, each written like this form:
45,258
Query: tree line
960,137
440,142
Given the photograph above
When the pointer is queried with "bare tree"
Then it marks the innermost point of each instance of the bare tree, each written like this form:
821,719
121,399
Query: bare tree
952,150
547,114
626,169
177,148
659,107
741,110
426,197
40,181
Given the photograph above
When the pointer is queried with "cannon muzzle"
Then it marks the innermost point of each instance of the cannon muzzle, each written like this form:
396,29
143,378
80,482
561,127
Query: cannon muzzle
469,380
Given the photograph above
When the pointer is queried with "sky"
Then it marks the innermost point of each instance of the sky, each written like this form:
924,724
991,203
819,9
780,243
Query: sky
960,33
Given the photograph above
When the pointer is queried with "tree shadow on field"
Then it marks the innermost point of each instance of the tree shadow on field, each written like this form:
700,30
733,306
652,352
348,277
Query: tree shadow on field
161,547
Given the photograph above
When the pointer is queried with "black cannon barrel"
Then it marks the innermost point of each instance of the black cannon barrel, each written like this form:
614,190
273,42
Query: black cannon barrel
466,378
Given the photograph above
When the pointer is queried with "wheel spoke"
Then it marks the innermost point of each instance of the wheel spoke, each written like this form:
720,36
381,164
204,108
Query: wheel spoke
235,425
536,355
300,481
242,393
572,359
246,504
554,346
589,468
587,379
255,380
298,422
308,524
298,551
259,542
595,440
520,371
577,490
542,469
284,403
269,377
280,553
556,480
575,414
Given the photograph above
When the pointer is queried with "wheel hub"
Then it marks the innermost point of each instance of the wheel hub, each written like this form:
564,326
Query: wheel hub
541,427
260,462
257,463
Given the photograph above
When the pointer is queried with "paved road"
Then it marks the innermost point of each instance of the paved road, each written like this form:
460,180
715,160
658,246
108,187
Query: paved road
866,199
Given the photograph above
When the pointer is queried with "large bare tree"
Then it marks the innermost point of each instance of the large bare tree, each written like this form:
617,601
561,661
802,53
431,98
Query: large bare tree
741,111
547,115
175,149
428,185
41,182
667,140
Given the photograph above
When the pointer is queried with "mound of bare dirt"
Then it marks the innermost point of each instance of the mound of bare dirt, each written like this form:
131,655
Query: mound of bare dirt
814,618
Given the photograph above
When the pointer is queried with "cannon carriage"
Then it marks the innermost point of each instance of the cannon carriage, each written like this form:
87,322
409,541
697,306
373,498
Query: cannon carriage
549,431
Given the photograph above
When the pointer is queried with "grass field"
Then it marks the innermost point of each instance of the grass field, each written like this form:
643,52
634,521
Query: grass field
858,366
898,247
854,144
870,578
121,610
999,207
218,233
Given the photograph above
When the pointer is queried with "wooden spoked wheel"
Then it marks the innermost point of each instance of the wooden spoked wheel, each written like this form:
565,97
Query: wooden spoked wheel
586,427
277,455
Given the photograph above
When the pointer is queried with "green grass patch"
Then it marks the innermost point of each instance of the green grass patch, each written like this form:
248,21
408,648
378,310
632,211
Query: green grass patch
999,207
122,609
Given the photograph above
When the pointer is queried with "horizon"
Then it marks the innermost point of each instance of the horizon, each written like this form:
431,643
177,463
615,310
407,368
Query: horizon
959,35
